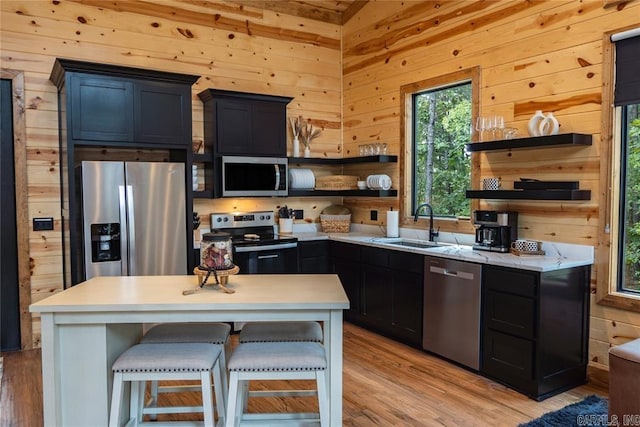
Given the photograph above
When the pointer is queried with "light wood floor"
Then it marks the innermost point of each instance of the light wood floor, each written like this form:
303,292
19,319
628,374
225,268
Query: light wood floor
385,384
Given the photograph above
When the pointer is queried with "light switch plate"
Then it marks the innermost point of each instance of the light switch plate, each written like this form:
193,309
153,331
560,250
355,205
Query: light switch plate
42,224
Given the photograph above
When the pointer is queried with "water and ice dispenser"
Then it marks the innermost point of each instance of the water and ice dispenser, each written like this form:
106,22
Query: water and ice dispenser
105,242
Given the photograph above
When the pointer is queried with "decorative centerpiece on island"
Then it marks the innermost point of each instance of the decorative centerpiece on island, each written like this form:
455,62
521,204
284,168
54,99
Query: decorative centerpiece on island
215,258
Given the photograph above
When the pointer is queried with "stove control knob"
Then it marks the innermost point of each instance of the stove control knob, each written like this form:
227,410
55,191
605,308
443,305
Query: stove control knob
268,216
261,217
218,219
226,219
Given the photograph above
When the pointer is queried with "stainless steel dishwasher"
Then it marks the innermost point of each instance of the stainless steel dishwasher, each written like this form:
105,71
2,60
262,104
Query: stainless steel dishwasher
451,320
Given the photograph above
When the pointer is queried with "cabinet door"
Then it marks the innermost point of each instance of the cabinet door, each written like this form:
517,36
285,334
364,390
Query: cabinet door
314,257
101,109
406,315
508,359
162,113
512,314
349,273
377,297
233,127
269,137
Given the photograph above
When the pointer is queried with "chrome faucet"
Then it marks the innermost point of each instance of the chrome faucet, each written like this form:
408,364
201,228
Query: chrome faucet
432,233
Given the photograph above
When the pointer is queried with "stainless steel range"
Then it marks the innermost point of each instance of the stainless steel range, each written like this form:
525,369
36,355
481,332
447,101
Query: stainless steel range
257,248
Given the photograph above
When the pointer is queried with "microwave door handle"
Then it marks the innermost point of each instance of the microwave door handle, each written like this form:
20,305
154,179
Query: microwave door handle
277,176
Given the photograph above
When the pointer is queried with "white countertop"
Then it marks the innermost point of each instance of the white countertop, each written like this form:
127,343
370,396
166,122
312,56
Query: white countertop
558,255
149,293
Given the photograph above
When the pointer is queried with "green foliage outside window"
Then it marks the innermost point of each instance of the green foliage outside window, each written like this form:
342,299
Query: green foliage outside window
631,188
442,168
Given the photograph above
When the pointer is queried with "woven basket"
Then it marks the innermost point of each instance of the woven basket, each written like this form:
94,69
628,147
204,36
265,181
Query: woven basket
335,223
337,182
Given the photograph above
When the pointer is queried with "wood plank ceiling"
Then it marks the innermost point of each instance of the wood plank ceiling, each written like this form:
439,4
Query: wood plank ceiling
332,11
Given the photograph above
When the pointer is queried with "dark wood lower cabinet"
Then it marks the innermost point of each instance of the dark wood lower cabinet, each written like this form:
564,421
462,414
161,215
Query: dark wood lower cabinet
536,329
313,257
385,289
345,262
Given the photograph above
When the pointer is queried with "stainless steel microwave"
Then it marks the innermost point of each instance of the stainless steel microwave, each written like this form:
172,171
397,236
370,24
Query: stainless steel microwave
244,176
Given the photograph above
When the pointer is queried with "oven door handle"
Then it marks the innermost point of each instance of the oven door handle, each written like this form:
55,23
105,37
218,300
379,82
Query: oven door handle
240,249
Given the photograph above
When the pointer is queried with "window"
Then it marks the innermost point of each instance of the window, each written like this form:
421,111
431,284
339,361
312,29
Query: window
619,251
442,119
625,216
438,115
628,203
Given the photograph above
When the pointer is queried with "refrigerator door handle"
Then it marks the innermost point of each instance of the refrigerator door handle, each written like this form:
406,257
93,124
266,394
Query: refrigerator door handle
124,230
131,227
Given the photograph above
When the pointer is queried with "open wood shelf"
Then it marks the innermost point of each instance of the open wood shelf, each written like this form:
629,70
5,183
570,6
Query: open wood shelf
202,158
530,194
206,194
341,193
565,139
383,158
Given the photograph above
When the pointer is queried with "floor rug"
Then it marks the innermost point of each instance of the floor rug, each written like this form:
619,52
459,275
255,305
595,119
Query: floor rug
592,411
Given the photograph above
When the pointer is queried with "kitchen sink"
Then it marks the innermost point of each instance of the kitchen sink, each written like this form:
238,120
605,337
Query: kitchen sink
413,243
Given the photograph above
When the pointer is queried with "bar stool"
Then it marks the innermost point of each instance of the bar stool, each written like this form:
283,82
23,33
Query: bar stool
276,361
212,333
170,361
281,332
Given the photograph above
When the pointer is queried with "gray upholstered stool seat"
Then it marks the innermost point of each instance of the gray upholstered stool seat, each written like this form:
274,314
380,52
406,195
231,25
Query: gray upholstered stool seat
212,333
281,331
276,361
169,361
624,381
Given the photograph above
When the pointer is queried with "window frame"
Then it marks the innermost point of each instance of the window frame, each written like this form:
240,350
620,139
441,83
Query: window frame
448,224
607,253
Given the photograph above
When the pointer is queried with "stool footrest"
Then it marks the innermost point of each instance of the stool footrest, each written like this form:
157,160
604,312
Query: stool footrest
178,388
152,409
280,417
271,393
171,424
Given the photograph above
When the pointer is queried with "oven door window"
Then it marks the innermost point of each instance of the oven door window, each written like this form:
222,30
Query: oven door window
269,261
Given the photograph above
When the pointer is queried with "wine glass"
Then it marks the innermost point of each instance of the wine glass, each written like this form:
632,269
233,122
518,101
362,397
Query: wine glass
497,127
482,125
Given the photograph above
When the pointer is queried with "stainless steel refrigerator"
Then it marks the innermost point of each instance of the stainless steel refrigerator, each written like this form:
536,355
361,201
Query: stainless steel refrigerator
134,218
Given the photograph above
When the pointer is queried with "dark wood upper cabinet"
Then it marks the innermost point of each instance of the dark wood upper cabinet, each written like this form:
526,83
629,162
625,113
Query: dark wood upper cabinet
123,106
247,124
101,108
162,113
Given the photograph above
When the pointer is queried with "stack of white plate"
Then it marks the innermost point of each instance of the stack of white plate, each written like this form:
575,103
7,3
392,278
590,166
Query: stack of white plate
301,179
379,182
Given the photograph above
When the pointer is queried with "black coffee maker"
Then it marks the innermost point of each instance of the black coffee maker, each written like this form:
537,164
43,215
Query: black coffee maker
495,230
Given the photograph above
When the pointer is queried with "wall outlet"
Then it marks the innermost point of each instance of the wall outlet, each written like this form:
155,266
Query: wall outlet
374,215
298,214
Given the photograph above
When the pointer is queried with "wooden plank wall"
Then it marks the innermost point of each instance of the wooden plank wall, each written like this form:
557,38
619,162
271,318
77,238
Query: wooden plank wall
534,55
231,47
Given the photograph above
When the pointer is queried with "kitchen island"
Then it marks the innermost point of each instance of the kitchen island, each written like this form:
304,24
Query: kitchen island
86,327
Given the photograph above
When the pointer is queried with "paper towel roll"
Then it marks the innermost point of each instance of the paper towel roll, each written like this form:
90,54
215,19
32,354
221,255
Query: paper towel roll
392,224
